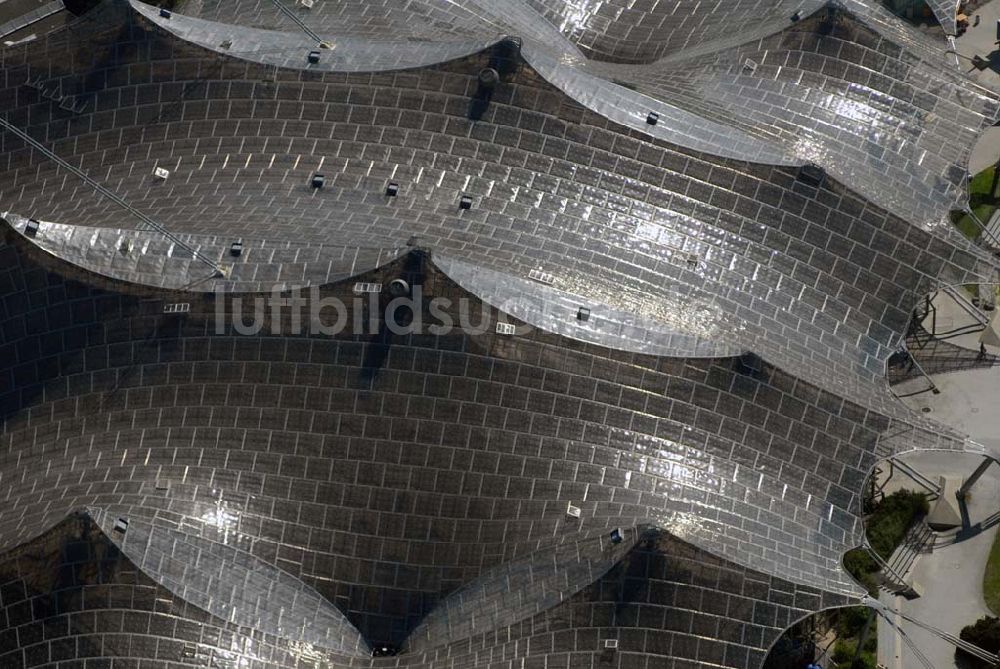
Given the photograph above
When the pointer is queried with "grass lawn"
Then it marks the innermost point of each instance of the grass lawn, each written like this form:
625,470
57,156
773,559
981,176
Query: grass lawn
969,227
991,578
981,201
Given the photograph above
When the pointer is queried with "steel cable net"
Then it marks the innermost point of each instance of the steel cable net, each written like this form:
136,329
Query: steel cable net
720,405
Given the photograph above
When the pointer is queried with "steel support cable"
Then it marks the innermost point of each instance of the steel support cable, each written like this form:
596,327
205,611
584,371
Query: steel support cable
982,226
102,190
933,386
918,476
885,565
963,302
972,649
299,22
911,643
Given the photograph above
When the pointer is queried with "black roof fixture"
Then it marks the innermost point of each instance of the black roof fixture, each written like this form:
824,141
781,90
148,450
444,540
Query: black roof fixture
812,175
506,56
750,364
392,190
899,358
165,14
465,202
314,57
488,79
616,535
583,314
31,228
652,118
236,250
505,59
399,288
318,180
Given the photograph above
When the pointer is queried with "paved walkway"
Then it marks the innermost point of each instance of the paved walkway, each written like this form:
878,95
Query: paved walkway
986,151
950,578
949,316
945,350
981,40
967,402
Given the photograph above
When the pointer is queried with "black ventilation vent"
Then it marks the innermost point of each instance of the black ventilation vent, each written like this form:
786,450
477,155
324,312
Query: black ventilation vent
812,175
750,364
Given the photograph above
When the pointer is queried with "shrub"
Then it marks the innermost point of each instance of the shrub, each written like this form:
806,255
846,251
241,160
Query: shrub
984,633
851,621
843,651
843,656
991,578
891,519
863,567
886,528
866,660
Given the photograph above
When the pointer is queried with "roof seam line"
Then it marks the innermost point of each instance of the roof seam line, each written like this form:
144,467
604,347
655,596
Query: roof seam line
102,190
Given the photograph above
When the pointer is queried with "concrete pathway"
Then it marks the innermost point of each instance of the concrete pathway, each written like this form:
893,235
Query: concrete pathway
950,578
986,151
981,40
969,401
951,582
949,316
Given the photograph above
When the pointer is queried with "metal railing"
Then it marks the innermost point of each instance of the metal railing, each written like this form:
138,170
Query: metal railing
930,485
927,309
918,539
993,243
925,353
965,305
